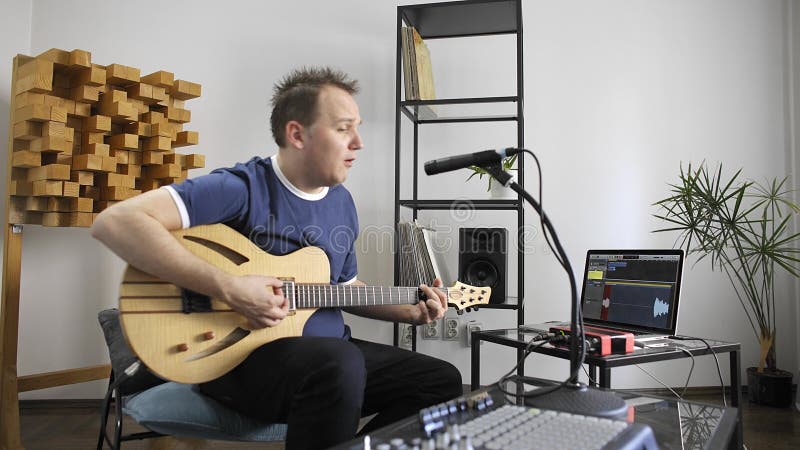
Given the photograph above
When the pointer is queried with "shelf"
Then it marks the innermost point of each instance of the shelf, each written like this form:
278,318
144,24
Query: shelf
452,110
511,303
510,204
460,19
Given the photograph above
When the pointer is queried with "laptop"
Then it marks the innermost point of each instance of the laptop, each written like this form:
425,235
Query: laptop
637,291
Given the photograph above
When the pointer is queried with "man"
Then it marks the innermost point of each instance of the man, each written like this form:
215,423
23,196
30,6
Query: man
323,382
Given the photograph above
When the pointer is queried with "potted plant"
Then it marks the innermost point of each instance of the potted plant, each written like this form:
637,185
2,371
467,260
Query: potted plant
494,187
743,228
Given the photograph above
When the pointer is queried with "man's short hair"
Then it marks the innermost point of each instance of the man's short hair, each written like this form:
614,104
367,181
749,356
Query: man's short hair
295,97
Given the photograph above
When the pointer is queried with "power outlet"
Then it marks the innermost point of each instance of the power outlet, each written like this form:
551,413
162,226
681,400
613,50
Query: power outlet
471,326
432,330
452,330
406,332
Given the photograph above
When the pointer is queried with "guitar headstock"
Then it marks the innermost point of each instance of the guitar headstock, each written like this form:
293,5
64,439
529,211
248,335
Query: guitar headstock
462,296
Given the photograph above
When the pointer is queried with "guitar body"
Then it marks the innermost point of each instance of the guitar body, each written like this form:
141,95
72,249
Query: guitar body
191,348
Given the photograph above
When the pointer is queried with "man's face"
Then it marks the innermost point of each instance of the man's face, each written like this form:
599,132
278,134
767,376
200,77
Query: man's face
333,139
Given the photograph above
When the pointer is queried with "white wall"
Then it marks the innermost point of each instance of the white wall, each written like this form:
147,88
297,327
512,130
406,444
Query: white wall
618,94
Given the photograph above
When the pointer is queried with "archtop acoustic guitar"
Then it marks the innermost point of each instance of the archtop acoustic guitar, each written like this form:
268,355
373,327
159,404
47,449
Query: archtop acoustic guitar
190,338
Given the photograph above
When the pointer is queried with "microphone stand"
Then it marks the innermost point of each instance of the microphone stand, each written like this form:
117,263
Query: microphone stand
574,396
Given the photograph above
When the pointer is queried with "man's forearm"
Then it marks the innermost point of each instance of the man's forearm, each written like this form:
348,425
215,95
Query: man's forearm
390,313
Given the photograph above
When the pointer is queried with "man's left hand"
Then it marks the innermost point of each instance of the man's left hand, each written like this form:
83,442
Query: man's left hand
434,307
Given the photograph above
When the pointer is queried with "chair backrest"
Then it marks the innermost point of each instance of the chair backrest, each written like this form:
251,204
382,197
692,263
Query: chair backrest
122,356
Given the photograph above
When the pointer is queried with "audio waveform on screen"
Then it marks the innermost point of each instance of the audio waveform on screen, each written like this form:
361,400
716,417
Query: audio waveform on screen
660,308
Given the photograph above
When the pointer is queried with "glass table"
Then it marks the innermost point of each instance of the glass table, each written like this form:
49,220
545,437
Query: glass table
675,349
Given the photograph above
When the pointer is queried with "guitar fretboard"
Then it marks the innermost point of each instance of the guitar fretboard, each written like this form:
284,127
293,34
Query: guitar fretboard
340,296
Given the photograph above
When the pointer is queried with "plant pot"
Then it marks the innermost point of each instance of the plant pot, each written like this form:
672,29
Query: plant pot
771,388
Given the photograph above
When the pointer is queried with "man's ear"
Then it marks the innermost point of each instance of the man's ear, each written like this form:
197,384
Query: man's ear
294,134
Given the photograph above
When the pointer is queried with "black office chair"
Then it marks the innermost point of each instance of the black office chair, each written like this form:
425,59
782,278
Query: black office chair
166,408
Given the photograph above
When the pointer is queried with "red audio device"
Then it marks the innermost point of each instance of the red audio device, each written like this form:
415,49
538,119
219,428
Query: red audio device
606,342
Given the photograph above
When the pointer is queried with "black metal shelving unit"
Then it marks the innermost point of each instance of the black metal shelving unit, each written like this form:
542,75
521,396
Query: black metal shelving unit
452,20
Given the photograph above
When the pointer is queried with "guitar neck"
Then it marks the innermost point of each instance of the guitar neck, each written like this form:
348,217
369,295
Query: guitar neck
341,296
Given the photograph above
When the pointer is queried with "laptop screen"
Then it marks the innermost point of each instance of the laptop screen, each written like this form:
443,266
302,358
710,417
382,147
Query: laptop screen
636,290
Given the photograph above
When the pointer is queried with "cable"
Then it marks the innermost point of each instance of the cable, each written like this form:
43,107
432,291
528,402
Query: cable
659,381
716,360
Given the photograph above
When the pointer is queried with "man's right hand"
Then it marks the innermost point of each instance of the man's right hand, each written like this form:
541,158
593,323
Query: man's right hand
258,298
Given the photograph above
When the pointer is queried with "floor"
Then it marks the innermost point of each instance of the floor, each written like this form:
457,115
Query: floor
74,425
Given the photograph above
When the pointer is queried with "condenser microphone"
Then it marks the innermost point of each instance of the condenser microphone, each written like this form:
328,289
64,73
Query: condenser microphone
486,157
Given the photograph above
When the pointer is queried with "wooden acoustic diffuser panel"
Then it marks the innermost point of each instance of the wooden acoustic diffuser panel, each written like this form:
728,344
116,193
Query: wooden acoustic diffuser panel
86,136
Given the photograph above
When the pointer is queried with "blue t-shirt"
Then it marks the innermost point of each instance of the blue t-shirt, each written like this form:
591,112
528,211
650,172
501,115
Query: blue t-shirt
256,199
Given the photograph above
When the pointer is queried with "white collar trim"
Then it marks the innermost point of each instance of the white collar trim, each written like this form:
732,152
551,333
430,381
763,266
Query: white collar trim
292,188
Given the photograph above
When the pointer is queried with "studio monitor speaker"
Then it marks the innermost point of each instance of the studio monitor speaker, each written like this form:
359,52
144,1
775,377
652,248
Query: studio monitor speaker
483,258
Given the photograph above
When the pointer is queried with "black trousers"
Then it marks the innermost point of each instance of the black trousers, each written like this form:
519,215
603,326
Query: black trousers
321,387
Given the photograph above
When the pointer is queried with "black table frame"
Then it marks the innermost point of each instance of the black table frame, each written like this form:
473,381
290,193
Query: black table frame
605,363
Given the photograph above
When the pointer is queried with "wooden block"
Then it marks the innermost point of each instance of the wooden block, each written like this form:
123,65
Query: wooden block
185,90
82,178
118,193
120,75
143,92
118,111
92,163
81,204
29,98
161,78
27,130
43,188
72,219
175,158
164,171
92,138
165,129
133,170
51,144
80,59
49,172
185,138
139,129
147,184
179,115
90,192
157,144
26,159
37,203
55,55
34,112
71,189
83,109
153,117
58,114
159,94
135,158
61,82
54,129
35,76
124,141
114,179
91,76
97,149
97,124
195,161
109,164
69,133
152,158
122,156
85,93
22,188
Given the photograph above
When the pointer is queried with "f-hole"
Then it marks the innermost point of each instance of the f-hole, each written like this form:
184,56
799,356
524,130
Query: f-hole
231,255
